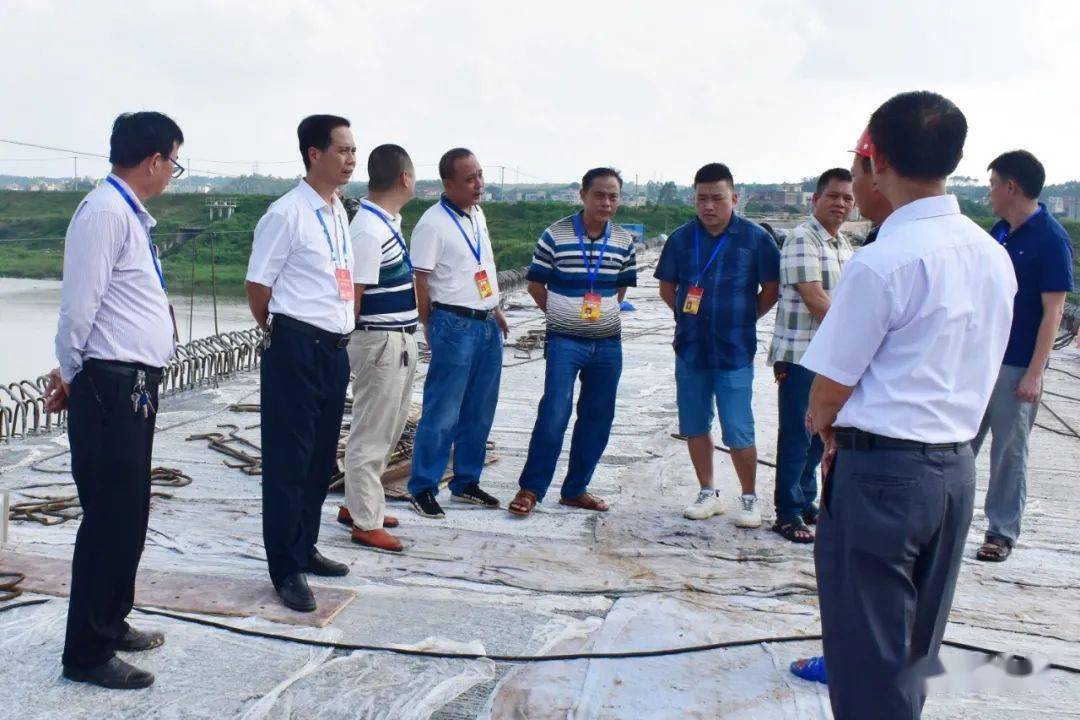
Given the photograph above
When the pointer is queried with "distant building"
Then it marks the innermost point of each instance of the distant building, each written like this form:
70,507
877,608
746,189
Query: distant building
635,201
1072,208
536,196
1055,205
565,196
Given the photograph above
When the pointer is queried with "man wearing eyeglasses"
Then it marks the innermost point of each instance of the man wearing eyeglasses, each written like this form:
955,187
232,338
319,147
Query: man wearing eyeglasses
115,334
301,274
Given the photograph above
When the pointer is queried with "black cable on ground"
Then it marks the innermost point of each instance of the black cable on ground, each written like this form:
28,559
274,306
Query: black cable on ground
24,603
723,449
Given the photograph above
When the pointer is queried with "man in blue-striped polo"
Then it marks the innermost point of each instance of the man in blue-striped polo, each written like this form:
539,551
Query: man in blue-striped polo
580,270
382,349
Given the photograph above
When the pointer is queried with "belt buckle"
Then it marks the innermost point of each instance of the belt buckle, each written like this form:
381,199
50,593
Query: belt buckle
343,341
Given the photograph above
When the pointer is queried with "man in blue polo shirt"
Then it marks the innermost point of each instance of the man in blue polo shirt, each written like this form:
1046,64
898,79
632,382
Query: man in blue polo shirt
580,270
1042,257
719,273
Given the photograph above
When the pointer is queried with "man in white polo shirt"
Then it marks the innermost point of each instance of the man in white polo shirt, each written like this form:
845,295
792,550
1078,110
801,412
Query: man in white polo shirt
457,297
906,359
382,350
300,272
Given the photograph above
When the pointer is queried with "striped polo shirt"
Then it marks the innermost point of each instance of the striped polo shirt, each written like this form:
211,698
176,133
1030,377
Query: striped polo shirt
558,263
389,300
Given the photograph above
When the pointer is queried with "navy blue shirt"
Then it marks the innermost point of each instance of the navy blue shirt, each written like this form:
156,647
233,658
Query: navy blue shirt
1041,253
723,333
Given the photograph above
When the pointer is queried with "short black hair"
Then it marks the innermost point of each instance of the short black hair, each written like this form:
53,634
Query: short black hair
714,172
139,135
446,162
841,174
385,165
314,132
921,133
1022,168
597,173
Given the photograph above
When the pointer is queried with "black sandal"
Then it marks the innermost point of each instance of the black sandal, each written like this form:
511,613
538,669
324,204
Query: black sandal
994,549
810,515
794,531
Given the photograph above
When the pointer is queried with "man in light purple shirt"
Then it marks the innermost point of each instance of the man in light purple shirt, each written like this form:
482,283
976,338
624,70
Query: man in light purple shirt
114,336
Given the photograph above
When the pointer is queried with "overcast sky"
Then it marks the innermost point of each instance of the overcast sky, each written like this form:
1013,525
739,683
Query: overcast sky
778,90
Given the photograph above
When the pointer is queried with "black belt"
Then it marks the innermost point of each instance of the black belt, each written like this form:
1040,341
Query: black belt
410,329
851,438
124,369
465,312
330,338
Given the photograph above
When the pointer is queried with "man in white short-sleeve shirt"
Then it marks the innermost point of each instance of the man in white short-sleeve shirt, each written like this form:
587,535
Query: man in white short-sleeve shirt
457,297
300,273
906,359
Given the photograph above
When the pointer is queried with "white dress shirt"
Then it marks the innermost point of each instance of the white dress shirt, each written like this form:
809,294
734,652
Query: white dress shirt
292,255
112,304
918,325
438,247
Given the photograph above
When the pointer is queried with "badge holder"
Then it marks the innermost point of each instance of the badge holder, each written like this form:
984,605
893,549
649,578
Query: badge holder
693,300
482,283
590,307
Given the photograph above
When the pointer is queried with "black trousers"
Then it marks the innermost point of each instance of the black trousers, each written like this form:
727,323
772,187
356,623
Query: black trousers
303,400
110,461
889,542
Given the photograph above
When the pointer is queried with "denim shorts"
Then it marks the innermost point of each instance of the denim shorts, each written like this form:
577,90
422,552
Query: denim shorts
731,390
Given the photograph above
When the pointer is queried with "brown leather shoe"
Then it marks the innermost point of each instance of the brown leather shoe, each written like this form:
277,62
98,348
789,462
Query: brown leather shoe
377,538
345,518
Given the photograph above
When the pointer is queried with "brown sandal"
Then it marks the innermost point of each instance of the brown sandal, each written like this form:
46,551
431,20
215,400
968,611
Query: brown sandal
523,503
994,550
585,501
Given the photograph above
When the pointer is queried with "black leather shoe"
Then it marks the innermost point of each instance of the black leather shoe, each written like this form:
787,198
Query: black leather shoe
296,594
114,674
137,641
325,567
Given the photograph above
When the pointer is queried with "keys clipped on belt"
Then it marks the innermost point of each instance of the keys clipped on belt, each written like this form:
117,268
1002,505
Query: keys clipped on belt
405,358
140,396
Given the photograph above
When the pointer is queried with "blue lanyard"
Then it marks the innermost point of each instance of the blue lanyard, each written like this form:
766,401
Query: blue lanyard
326,232
697,252
591,271
135,209
475,249
397,236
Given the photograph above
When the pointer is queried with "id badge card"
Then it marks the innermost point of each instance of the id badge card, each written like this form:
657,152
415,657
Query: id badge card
693,300
482,283
590,307
344,283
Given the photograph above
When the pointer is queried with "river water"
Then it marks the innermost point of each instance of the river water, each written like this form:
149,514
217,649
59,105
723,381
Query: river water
28,310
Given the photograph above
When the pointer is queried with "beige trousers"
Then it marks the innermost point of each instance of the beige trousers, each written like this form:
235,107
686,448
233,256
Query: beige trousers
382,392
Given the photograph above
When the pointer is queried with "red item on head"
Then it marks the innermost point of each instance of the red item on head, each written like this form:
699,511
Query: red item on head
865,146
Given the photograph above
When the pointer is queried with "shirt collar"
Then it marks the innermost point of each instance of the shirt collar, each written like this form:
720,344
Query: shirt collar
922,209
817,227
1004,224
141,211
313,198
731,229
396,217
453,206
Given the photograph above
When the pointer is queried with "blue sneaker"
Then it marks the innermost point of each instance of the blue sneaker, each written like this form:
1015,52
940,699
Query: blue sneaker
812,669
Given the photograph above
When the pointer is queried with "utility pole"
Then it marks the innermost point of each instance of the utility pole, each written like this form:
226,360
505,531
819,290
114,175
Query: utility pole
75,177
502,182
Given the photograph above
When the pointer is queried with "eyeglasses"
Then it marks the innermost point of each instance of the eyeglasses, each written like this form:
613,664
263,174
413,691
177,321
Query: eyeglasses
178,169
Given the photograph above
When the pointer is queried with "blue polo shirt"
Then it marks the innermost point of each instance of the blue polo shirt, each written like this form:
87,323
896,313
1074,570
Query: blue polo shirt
1041,254
723,334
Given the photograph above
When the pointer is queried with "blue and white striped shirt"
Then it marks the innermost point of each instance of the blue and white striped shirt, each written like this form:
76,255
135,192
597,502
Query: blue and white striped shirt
389,300
557,263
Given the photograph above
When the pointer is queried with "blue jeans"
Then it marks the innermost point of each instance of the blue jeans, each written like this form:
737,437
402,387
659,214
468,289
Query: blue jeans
599,364
461,391
697,390
798,454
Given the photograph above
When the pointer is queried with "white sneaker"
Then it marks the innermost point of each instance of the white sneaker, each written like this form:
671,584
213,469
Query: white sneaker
748,514
707,504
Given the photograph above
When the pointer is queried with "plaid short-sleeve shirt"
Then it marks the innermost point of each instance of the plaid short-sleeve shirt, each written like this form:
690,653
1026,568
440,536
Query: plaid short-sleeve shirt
809,254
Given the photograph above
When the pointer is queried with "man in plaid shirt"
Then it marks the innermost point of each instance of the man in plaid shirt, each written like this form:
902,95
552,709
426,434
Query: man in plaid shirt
810,264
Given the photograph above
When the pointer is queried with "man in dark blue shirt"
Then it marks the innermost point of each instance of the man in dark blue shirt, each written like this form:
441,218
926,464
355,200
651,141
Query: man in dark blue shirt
1042,257
719,273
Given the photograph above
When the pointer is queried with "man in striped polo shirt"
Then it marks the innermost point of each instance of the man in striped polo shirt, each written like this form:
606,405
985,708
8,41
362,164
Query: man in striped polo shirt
580,270
382,350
